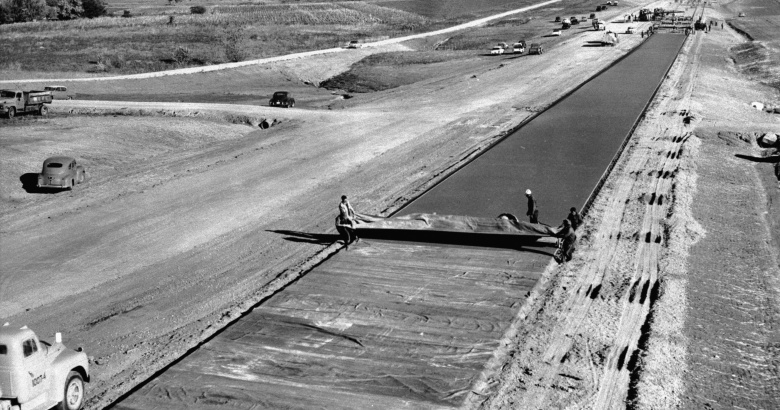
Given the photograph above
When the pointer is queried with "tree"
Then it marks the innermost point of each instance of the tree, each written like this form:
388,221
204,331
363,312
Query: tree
27,10
66,9
5,12
93,8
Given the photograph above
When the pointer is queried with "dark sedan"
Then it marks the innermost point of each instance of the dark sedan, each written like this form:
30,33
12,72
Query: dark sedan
61,172
282,99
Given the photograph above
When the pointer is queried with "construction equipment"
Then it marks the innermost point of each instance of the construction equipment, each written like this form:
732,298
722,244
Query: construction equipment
13,102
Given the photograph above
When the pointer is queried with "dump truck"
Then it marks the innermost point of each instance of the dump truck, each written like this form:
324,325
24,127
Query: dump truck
35,375
13,102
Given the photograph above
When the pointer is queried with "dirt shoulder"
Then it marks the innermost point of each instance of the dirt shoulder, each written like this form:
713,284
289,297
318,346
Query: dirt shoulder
190,220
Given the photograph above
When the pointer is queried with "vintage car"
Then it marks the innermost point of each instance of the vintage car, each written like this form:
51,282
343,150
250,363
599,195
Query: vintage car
497,50
59,92
630,30
535,48
518,47
556,32
61,172
282,99
574,20
354,44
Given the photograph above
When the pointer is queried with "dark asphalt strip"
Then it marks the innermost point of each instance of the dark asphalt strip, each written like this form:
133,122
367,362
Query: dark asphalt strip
562,153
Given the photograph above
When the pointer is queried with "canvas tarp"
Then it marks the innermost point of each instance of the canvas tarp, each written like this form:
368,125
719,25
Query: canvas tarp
454,223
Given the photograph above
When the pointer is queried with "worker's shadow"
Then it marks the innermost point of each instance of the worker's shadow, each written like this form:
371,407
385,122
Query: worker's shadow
306,237
772,160
530,244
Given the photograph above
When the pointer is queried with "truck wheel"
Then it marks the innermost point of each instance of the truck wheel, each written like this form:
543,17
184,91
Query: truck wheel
11,112
43,110
74,393
292,104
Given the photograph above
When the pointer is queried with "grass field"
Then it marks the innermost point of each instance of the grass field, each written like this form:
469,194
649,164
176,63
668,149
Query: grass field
230,31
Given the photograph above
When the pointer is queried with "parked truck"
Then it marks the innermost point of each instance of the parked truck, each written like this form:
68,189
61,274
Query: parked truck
35,375
13,102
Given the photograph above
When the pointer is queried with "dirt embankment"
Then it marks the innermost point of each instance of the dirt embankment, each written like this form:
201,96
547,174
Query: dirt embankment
690,204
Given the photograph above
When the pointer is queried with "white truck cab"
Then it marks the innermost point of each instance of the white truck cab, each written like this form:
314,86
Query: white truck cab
35,375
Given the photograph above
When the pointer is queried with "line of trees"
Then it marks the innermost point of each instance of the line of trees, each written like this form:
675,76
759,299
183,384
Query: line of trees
18,11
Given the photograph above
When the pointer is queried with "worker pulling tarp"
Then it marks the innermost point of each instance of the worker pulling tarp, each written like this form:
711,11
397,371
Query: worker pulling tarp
506,224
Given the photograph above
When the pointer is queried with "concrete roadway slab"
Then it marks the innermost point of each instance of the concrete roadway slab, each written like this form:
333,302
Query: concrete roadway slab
561,154
404,324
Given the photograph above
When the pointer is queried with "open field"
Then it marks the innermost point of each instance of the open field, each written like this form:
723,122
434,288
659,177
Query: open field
193,215
235,32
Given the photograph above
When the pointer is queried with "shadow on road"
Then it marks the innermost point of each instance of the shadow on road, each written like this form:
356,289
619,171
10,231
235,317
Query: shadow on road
30,184
305,237
771,160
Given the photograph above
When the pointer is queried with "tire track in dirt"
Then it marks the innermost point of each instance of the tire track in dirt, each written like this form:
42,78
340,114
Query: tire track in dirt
638,299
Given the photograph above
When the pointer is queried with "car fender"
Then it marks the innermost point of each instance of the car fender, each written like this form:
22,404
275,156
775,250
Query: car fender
65,361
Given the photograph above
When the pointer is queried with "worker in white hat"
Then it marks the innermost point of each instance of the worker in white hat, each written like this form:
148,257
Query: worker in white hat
533,210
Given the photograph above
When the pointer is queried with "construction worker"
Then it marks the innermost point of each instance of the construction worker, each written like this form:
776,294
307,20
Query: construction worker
533,210
575,218
345,222
568,237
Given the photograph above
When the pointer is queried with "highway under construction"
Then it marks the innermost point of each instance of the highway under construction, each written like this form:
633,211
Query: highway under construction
411,322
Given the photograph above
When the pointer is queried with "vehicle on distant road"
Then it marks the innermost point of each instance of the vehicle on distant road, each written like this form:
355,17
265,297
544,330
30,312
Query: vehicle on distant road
565,24
503,45
741,14
574,20
558,19
61,172
354,44
14,102
556,32
630,30
37,375
282,99
497,50
59,92
535,48
518,48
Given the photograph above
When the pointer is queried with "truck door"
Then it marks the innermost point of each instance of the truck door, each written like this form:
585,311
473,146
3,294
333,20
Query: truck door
18,102
34,368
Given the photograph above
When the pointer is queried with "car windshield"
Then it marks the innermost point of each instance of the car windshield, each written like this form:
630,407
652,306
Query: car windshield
280,94
6,94
54,165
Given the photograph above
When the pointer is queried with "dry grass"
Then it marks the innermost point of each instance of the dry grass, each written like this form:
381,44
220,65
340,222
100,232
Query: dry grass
149,43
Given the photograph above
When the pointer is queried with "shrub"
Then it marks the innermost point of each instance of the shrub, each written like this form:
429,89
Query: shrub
233,40
198,10
182,55
26,10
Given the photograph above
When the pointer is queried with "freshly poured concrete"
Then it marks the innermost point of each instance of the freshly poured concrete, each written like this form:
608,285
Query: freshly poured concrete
561,154
400,324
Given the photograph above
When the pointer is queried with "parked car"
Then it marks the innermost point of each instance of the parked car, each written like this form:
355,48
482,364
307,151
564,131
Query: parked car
556,32
593,15
282,99
61,172
558,19
630,30
535,48
518,48
354,44
503,45
741,14
497,50
574,21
